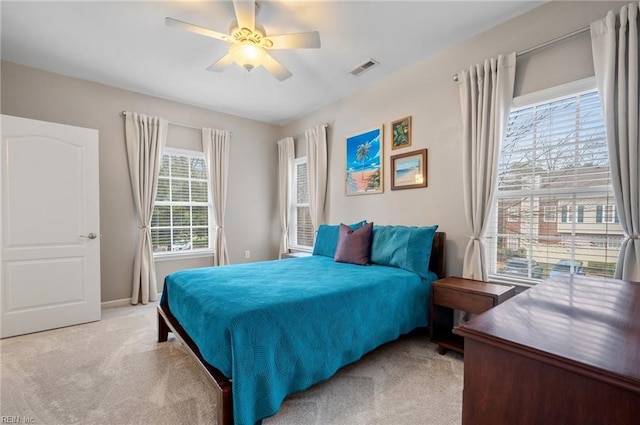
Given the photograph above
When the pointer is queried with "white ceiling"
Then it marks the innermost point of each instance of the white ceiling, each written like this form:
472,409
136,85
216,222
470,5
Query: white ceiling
127,45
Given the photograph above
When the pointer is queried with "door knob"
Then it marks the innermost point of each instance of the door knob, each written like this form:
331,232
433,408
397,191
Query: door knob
90,236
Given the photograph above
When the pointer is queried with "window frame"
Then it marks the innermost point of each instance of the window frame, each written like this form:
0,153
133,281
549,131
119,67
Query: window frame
293,211
192,253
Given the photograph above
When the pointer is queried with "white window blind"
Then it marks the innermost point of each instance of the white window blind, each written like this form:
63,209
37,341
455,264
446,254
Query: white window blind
301,228
554,205
181,215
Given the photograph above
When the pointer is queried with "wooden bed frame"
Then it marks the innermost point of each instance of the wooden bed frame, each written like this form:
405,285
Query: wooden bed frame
224,402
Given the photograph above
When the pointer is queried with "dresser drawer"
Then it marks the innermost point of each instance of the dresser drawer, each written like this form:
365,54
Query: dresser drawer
465,301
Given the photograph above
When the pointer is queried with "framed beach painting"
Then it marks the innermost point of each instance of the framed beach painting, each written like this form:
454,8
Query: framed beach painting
401,133
364,162
409,170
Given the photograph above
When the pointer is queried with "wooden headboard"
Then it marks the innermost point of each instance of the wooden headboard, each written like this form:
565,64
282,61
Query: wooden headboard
437,261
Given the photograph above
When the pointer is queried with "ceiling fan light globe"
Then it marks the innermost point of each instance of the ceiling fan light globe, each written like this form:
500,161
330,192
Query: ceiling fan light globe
248,55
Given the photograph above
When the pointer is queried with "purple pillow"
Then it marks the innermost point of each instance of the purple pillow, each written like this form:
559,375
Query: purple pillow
354,246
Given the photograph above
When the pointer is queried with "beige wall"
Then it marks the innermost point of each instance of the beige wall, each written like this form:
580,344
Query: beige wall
427,93
251,219
424,91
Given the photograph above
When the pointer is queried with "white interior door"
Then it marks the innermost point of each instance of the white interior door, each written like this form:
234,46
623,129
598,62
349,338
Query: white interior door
50,235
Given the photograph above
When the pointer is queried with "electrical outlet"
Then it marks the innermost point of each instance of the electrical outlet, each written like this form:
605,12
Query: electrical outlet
247,254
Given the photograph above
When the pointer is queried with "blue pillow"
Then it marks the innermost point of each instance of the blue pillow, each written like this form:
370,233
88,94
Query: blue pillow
408,248
327,238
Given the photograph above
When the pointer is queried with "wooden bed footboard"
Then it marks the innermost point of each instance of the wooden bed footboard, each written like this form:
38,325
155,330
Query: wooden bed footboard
224,401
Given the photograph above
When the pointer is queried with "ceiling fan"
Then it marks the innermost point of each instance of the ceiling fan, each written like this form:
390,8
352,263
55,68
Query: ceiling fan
249,41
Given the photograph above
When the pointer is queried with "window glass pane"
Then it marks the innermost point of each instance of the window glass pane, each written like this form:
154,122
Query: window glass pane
160,239
164,166
200,237
181,240
181,216
301,232
179,190
163,190
200,216
302,187
198,170
199,191
180,166
161,216
304,227
554,210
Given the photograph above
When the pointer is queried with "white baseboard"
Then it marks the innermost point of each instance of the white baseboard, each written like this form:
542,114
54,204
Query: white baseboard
116,303
122,303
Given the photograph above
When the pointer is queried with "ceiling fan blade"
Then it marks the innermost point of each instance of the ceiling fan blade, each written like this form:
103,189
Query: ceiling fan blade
221,64
301,40
245,13
274,67
195,29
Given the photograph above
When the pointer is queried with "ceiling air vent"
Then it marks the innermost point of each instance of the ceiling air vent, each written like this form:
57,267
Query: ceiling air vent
364,66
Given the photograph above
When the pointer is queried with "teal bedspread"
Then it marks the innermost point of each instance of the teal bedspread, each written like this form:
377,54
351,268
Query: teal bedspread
278,327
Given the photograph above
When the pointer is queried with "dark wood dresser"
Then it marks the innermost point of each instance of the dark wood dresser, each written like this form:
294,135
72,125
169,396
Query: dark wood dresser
564,352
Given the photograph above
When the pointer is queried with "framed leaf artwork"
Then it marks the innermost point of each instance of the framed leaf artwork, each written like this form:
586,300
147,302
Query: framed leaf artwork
401,133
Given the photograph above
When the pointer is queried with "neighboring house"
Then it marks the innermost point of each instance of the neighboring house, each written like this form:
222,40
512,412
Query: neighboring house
560,226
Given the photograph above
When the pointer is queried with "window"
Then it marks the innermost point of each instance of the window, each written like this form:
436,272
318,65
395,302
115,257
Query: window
550,214
300,227
513,214
554,161
181,217
606,214
609,213
567,214
580,216
568,217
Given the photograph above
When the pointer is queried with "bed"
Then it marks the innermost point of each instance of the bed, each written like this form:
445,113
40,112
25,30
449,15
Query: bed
264,330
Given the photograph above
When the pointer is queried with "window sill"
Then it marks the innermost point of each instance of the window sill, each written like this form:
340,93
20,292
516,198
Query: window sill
180,255
294,249
298,254
522,283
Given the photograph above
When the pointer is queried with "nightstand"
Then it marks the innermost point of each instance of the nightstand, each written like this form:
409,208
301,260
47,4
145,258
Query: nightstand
455,293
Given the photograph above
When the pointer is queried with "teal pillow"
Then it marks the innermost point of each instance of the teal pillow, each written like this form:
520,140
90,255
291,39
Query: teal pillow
327,238
408,248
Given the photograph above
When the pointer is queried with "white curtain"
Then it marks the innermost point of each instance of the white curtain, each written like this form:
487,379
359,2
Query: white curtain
145,138
486,93
285,162
615,57
317,171
215,144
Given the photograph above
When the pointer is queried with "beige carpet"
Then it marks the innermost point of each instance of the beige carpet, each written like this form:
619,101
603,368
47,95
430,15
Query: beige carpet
114,372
